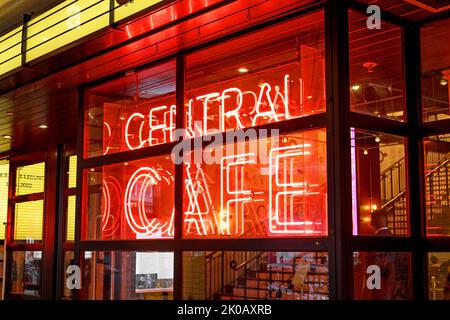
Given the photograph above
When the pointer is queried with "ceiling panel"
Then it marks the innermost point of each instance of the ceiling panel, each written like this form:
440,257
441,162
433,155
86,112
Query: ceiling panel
415,10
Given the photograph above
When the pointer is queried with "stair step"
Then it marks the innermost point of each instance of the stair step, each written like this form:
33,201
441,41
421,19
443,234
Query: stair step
266,284
250,293
274,276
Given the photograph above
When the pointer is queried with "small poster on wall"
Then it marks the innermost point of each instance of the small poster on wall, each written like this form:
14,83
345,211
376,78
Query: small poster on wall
154,271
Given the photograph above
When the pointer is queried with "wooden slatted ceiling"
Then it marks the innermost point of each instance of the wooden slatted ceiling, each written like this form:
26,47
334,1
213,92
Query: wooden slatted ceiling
406,9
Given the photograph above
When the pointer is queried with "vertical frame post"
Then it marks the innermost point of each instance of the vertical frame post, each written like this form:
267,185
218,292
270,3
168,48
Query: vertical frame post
338,150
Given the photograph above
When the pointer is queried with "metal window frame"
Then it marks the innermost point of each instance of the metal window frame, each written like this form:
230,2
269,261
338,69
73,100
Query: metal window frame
338,119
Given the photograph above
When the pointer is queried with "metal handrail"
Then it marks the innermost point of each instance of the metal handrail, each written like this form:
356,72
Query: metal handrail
445,161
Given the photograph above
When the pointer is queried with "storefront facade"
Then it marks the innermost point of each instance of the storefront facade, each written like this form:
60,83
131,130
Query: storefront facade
227,150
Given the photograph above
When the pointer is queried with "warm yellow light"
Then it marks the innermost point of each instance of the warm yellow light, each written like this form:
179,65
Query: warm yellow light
243,70
377,139
355,87
443,82
7,136
374,207
43,126
309,97
365,152
366,219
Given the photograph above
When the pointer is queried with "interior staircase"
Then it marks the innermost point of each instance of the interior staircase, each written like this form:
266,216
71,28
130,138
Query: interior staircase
264,275
437,197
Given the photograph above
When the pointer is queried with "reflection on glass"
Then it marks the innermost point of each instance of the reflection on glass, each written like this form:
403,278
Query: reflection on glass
242,275
271,187
272,75
435,70
382,276
127,275
437,185
26,272
131,200
376,68
132,112
30,179
379,195
28,221
439,275
4,182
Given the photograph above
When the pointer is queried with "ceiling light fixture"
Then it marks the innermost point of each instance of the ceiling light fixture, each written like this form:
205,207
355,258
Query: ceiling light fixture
242,70
355,87
7,136
43,126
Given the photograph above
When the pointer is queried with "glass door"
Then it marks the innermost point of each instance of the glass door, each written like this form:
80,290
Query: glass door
30,231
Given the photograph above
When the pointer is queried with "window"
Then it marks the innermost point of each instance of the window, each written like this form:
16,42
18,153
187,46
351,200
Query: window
70,197
250,185
30,179
127,275
29,203
26,272
382,276
379,193
435,70
28,222
439,275
241,275
4,183
130,200
131,112
376,68
437,190
258,79
273,187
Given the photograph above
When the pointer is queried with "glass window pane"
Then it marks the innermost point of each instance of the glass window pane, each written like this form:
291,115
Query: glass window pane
379,193
131,112
4,183
72,174
68,260
376,68
242,275
26,272
382,275
439,275
131,200
267,187
435,70
258,79
127,275
437,181
70,218
30,179
28,221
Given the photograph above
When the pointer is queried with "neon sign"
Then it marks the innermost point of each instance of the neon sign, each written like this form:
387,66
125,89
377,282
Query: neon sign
136,196
231,108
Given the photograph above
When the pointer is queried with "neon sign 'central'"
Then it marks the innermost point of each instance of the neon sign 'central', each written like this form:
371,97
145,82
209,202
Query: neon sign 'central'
232,108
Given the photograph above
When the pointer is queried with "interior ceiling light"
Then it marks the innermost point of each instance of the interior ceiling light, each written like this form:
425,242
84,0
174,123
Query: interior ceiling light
377,139
365,152
243,70
370,65
7,136
443,82
43,126
355,87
